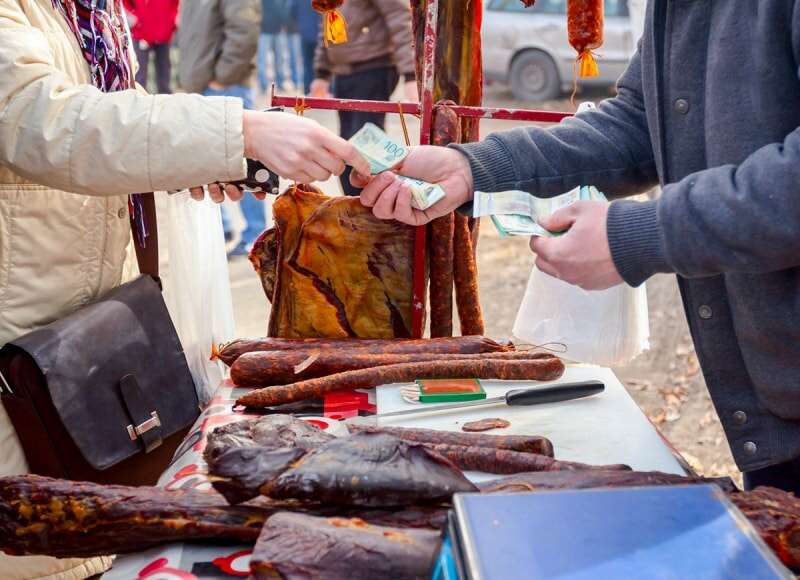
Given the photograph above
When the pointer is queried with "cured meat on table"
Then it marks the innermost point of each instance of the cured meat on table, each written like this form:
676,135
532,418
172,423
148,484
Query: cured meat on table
68,519
268,368
296,546
503,461
228,353
485,425
588,479
365,469
776,515
340,271
521,443
544,369
56,517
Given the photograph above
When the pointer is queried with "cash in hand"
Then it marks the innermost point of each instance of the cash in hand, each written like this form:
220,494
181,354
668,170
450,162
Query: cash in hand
382,152
517,213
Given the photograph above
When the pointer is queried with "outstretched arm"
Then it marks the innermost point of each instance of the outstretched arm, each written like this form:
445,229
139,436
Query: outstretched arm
73,137
608,147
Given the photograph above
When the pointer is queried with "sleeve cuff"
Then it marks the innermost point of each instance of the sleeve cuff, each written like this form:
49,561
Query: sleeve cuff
234,139
490,163
634,237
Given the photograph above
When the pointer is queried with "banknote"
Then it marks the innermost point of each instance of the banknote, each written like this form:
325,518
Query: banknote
517,213
423,194
382,152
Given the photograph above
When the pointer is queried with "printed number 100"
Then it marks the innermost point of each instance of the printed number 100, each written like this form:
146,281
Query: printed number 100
394,150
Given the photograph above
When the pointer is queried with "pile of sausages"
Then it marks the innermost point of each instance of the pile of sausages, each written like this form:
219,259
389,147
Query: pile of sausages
283,370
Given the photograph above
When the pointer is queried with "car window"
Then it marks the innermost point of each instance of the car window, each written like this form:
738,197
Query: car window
612,7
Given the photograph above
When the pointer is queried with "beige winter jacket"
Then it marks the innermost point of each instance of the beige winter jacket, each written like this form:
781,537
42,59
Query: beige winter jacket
58,134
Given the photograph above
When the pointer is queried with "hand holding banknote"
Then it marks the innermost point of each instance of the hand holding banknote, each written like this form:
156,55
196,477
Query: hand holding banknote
582,256
391,198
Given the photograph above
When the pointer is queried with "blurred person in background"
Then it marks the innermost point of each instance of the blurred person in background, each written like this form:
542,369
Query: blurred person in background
377,54
218,41
291,41
152,24
271,45
308,28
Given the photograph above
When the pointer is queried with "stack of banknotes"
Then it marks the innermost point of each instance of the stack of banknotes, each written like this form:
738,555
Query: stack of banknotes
383,153
517,213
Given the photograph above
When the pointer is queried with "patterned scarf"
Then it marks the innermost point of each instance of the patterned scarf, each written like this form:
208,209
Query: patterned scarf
104,38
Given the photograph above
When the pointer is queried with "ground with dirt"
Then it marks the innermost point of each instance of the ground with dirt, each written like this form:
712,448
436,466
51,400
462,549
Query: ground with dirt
666,381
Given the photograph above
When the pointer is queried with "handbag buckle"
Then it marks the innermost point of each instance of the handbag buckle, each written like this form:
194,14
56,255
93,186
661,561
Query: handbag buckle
134,432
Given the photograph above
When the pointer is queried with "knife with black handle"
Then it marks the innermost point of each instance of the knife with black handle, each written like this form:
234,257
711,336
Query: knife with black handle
514,398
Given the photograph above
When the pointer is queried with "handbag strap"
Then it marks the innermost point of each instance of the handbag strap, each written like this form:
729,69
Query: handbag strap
147,252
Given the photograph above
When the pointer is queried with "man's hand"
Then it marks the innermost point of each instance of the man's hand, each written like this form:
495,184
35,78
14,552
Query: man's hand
389,198
298,148
410,91
320,88
582,255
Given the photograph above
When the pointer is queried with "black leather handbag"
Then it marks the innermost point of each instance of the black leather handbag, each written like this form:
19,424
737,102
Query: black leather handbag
104,394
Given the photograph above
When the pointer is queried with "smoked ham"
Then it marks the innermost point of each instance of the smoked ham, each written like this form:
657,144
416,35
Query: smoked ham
339,271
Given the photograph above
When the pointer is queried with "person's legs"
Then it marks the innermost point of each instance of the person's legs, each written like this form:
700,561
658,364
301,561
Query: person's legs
163,68
308,48
262,62
277,62
293,40
375,85
142,50
784,476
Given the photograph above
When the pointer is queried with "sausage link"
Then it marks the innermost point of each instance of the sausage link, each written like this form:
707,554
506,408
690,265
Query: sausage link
520,443
465,274
229,352
542,369
275,367
505,462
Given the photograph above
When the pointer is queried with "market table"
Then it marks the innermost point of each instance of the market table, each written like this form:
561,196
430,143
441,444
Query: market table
606,428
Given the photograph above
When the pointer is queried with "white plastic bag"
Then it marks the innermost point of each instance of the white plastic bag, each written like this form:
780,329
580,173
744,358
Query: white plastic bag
196,283
606,327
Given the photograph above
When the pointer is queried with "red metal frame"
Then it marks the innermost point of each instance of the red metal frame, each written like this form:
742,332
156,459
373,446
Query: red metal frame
424,110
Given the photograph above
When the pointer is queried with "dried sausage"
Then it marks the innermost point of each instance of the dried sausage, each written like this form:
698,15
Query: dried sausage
503,461
229,352
585,29
465,274
441,275
520,443
263,369
542,369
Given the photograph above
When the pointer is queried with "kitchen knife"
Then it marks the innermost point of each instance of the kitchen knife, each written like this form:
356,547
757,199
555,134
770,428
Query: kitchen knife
513,398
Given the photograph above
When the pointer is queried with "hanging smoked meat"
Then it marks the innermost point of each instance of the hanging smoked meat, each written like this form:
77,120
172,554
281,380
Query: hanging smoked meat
334,270
458,79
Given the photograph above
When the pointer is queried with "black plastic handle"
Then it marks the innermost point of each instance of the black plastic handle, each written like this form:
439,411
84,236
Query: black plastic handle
554,394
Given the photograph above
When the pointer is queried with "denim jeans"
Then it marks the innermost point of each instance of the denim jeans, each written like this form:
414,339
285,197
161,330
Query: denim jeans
277,49
252,208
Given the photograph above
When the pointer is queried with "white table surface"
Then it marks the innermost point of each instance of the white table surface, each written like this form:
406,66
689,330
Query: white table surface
602,429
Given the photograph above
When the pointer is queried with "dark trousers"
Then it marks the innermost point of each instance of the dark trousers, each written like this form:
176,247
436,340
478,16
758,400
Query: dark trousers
376,84
163,65
308,48
784,476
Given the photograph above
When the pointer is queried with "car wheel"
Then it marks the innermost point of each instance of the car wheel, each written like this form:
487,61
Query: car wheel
534,77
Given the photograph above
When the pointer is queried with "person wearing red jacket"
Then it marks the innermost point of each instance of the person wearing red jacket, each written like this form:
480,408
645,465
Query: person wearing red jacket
153,23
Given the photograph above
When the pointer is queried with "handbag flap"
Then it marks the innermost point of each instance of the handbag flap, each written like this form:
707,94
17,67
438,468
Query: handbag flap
116,373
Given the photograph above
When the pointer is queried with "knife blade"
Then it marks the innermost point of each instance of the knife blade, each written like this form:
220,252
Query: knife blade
514,398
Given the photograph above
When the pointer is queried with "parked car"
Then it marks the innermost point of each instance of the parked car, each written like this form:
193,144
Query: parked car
528,48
